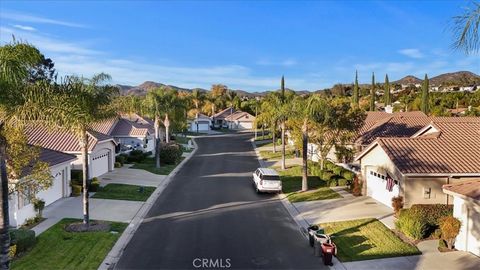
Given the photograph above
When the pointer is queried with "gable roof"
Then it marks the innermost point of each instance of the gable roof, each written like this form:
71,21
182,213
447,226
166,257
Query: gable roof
54,157
453,150
469,189
106,126
224,113
239,115
60,140
125,128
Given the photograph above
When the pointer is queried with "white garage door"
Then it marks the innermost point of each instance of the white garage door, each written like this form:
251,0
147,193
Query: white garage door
203,127
55,192
377,188
100,163
244,125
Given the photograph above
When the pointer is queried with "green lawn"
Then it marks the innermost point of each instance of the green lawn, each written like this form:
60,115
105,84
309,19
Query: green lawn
191,133
59,249
292,183
261,138
149,165
182,140
366,239
124,192
289,153
264,143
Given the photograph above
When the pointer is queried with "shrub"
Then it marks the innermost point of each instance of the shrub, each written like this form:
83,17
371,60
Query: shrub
411,224
147,154
337,170
328,165
341,181
77,175
327,176
94,184
136,156
437,234
30,222
118,165
76,189
12,251
348,175
120,159
397,204
433,213
356,187
450,228
442,243
171,153
39,205
23,239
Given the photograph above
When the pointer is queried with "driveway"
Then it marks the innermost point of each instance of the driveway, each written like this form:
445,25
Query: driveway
347,208
126,175
210,213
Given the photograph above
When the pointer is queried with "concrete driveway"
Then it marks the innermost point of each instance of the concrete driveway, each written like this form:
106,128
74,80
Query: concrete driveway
347,208
126,175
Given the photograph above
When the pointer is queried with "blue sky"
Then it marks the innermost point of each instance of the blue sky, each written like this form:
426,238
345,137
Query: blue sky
245,45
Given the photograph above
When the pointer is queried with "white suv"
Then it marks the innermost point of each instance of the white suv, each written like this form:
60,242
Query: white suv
267,180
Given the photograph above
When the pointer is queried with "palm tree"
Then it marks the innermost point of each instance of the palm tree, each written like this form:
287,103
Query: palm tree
197,99
19,101
306,110
161,103
465,29
83,102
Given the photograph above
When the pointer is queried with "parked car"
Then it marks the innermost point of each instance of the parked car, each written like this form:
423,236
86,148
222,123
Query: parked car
267,180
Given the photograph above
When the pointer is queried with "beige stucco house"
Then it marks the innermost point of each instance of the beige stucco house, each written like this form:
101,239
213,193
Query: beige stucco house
444,152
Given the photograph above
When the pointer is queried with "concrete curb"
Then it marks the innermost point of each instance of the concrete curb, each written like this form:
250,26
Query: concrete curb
295,214
115,253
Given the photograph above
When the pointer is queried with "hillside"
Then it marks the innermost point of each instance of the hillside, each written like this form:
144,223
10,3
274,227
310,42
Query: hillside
460,78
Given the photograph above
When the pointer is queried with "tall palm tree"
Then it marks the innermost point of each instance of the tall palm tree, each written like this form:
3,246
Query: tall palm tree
306,110
19,100
466,29
161,103
81,103
197,99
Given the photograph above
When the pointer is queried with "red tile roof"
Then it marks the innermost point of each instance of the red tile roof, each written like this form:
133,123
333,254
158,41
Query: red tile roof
468,189
125,128
238,115
224,113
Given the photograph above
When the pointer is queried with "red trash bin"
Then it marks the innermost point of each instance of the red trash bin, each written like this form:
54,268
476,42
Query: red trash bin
328,250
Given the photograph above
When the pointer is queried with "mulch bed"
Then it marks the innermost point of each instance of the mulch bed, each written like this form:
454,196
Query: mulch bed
93,227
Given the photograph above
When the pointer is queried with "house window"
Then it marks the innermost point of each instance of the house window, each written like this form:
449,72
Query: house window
25,198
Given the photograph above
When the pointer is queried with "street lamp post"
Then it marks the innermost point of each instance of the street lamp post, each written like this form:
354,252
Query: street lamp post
256,107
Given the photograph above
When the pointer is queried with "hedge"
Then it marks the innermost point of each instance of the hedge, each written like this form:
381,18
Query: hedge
120,159
412,224
171,153
23,239
432,213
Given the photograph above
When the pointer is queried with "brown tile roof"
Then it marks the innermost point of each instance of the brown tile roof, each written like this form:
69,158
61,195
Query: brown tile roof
238,115
125,128
54,157
468,188
224,113
140,121
382,124
60,140
105,126
454,150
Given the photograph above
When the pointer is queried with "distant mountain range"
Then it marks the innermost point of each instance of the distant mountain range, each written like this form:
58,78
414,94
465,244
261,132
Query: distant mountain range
460,78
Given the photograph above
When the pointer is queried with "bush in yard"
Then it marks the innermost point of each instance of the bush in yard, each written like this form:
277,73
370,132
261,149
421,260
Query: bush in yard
147,154
94,184
118,165
450,228
120,159
38,205
397,204
327,176
125,157
349,175
136,156
337,170
411,224
23,239
433,213
12,251
171,153
76,189
329,166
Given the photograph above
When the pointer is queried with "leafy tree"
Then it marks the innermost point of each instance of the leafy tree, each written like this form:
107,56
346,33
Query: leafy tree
355,94
465,29
43,70
388,97
270,115
372,94
197,98
425,98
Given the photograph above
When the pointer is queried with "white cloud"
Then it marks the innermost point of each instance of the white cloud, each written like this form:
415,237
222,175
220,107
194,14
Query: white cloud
21,17
412,53
24,27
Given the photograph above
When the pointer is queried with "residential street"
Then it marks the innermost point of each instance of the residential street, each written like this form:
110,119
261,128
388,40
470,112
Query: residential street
210,211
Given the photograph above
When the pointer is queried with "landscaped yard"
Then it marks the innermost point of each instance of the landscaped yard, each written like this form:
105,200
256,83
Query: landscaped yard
366,239
124,192
292,183
265,143
182,140
59,249
149,165
261,138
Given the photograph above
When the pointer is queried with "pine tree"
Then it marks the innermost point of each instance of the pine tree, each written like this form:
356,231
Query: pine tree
355,90
425,96
388,96
372,94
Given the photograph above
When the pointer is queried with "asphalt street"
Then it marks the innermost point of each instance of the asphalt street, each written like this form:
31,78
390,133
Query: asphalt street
209,217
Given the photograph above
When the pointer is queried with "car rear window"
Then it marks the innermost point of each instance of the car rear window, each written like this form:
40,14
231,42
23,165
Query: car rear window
271,177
